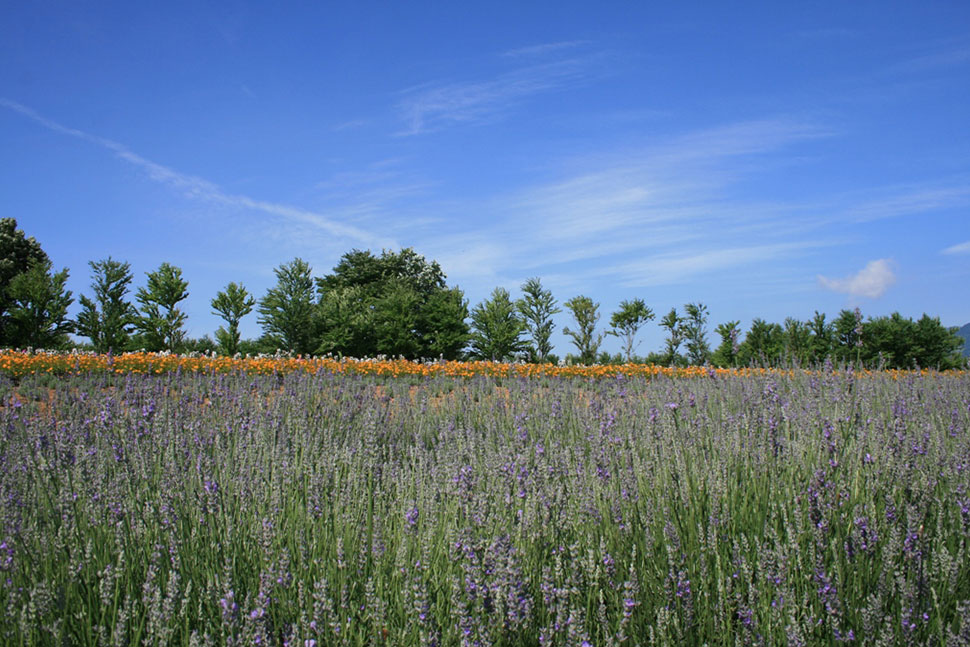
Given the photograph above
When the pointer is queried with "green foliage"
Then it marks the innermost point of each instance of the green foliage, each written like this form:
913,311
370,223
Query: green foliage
763,345
38,308
936,345
108,319
726,354
395,304
798,341
823,337
586,314
898,342
673,324
287,311
848,335
627,321
232,304
161,321
203,344
536,308
695,334
18,253
496,328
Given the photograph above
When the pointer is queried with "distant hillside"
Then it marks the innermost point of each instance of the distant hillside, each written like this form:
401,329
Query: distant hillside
965,333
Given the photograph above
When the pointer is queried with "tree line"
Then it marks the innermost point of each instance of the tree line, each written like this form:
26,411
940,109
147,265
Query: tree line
398,304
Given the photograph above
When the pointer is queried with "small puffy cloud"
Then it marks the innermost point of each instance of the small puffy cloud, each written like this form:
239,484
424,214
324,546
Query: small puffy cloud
962,248
871,281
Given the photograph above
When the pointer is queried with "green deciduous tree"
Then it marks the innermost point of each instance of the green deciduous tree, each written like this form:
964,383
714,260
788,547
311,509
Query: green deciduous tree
823,337
109,318
232,304
161,322
763,345
586,314
496,328
18,253
695,334
396,304
38,308
626,322
287,311
536,308
726,354
848,335
673,324
798,341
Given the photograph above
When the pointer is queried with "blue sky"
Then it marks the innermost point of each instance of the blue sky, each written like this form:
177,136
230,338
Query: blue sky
764,159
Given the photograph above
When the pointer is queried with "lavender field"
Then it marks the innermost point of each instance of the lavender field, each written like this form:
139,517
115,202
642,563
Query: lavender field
320,510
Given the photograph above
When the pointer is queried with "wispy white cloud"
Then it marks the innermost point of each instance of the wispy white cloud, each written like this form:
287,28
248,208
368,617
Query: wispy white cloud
649,215
677,267
961,248
871,281
943,57
543,49
912,200
434,106
667,190
202,189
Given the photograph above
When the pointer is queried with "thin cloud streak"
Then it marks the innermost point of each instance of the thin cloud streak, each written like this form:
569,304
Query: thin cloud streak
199,188
962,248
543,48
435,106
674,268
911,202
647,217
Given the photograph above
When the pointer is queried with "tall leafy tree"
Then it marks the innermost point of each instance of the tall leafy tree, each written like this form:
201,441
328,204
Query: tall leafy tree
496,328
396,320
763,345
232,304
18,253
822,337
848,335
674,326
626,322
726,353
536,308
586,314
38,308
695,334
442,327
936,345
798,341
108,319
161,321
397,303
287,311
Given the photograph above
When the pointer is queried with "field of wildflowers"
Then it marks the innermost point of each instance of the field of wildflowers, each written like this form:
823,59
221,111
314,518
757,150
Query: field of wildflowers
152,500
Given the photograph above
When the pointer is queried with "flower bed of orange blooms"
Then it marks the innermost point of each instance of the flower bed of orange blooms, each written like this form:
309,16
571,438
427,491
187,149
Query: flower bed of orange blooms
17,364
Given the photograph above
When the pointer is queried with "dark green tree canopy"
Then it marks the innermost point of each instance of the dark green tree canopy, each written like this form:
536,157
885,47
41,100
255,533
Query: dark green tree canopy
287,312
232,304
395,304
161,321
18,253
726,354
536,308
626,322
695,334
38,308
586,314
674,325
496,328
108,319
